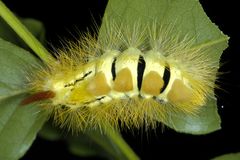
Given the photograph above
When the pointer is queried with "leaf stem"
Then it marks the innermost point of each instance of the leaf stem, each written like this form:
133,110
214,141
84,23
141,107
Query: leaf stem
122,151
117,139
24,33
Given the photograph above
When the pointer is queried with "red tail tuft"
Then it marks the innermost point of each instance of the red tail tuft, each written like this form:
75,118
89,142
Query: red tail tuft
38,97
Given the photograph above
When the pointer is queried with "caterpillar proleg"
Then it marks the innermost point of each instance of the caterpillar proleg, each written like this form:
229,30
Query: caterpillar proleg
135,76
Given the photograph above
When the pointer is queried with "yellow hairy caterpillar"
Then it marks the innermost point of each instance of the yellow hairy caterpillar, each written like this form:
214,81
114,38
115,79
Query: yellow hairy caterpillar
135,76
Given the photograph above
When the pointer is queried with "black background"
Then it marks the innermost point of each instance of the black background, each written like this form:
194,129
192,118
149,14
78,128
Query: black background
63,18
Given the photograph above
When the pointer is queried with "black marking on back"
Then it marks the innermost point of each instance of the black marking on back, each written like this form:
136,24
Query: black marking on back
113,69
78,80
92,101
69,85
99,99
166,77
84,76
140,70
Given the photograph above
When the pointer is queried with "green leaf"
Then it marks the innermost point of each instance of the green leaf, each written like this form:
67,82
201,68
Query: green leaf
18,127
16,64
34,26
190,20
207,120
18,124
231,156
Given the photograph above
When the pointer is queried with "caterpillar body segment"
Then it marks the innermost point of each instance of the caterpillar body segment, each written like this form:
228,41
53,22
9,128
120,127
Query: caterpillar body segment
134,77
122,77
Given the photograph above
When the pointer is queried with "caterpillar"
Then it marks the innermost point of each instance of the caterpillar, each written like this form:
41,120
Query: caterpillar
136,76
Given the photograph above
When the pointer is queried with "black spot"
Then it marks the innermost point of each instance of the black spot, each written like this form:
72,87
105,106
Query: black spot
140,96
161,101
126,95
64,107
166,78
113,69
140,70
99,99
